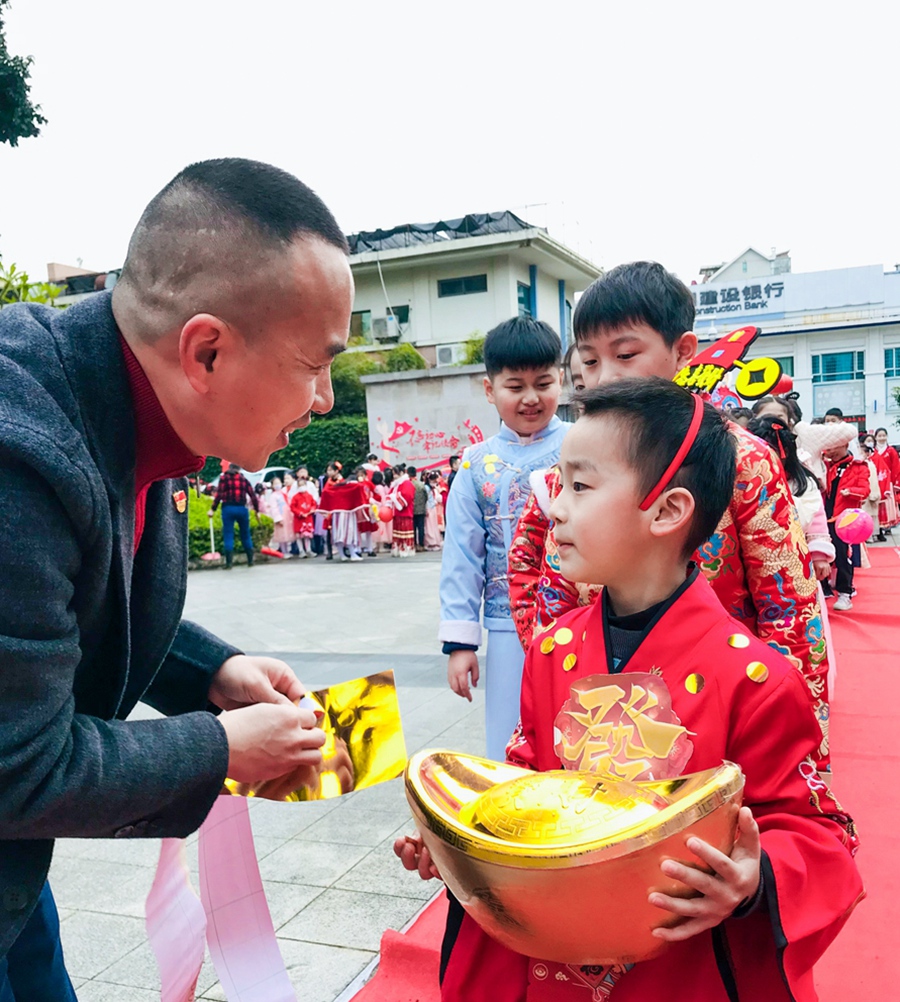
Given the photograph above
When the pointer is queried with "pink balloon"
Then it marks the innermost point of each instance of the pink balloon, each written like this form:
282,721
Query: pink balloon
853,525
385,513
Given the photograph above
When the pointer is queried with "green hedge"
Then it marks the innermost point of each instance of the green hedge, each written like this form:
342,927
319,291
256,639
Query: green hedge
198,527
345,439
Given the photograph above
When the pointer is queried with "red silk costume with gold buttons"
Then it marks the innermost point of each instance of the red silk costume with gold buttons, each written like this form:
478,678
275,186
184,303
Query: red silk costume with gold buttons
734,698
757,563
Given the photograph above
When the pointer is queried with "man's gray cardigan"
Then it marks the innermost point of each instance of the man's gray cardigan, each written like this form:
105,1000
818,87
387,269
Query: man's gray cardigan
87,628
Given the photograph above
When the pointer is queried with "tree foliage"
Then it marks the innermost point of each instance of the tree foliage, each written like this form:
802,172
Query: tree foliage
19,118
349,392
17,287
404,358
345,439
896,394
474,350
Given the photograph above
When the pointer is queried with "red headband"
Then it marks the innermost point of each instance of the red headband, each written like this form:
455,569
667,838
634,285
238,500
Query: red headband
679,457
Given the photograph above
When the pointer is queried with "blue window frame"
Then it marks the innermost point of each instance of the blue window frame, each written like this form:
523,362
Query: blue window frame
839,366
891,362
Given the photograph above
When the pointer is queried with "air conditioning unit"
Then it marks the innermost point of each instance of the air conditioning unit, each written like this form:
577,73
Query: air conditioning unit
385,328
450,354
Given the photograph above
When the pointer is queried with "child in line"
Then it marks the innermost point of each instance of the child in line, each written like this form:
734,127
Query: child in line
523,381
887,466
647,473
303,503
381,491
366,523
403,494
847,486
283,534
636,321
433,540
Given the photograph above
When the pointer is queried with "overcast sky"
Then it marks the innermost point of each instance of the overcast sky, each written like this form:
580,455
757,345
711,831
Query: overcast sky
680,131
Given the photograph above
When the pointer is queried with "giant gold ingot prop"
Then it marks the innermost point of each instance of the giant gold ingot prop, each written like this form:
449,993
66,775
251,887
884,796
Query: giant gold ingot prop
559,865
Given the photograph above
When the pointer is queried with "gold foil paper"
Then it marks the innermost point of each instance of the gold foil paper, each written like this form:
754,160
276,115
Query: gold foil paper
559,865
363,743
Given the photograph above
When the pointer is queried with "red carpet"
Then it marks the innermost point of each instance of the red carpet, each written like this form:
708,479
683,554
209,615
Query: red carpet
410,961
863,965
864,962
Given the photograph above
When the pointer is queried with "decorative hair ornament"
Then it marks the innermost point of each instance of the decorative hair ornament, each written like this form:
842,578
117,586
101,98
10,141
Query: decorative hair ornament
778,427
679,457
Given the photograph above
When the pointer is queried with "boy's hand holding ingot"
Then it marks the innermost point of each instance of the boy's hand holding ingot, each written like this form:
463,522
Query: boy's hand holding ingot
461,665
414,855
734,880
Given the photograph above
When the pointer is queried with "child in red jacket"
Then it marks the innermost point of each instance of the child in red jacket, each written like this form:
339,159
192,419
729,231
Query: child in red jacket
647,472
847,486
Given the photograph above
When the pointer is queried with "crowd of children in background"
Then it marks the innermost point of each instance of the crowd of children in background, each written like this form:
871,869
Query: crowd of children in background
831,468
392,509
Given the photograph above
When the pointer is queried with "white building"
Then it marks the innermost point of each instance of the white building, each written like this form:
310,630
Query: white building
437,284
837,333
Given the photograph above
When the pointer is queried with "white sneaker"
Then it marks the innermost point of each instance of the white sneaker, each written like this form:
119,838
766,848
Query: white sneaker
356,559
843,603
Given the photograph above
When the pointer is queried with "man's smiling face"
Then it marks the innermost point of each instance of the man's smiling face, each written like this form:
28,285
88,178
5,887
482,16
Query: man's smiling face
279,374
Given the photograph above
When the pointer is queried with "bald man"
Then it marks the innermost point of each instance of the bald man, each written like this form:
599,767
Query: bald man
218,339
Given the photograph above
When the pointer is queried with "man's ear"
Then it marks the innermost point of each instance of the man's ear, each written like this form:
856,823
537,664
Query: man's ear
672,512
489,389
200,345
685,348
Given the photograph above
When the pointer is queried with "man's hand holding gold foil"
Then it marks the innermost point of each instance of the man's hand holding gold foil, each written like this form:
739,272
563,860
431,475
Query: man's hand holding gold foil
268,736
243,681
734,881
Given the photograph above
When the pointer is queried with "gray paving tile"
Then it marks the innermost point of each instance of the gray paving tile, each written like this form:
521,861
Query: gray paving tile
100,991
318,973
354,827
319,864
138,969
92,942
265,845
274,820
92,886
127,851
388,796
382,870
287,900
350,918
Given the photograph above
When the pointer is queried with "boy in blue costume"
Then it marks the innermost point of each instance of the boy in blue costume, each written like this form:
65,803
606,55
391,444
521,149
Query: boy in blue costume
522,359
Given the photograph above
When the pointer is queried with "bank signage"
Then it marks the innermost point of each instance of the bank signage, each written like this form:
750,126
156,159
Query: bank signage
816,291
753,297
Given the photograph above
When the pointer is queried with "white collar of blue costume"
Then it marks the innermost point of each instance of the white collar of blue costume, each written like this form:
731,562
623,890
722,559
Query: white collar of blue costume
510,436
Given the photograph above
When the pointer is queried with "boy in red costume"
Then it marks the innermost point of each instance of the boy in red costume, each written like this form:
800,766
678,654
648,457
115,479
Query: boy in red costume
847,486
636,321
646,474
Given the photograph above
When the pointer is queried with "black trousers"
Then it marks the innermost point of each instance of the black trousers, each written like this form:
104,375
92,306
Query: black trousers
842,563
419,529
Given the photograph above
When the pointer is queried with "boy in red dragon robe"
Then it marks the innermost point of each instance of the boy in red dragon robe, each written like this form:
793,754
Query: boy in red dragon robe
636,321
646,474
